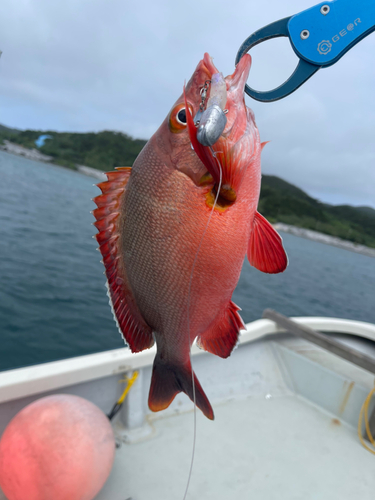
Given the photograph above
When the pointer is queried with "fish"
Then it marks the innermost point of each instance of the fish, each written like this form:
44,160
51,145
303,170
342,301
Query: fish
174,229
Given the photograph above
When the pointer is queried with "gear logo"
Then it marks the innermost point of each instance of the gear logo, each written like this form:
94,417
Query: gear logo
324,47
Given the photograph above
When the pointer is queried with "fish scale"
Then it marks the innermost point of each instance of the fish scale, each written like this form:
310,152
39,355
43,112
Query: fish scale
159,272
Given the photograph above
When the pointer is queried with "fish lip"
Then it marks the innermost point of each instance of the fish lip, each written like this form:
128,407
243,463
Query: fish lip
209,65
237,80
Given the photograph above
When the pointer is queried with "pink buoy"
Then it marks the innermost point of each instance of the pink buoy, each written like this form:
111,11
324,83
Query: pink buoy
60,447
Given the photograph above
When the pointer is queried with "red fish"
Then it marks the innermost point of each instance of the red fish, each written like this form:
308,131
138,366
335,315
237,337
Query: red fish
151,219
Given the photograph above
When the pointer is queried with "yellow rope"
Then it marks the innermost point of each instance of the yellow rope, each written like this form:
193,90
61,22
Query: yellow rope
130,382
364,411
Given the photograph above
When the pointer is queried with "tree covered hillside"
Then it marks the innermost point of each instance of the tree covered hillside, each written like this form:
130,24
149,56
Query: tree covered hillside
283,202
103,150
280,201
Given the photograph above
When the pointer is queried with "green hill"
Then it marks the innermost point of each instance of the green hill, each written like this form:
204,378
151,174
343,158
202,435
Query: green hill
280,201
283,202
103,150
366,210
7,130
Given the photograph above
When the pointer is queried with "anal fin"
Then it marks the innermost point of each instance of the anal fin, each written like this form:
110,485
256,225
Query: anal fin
221,338
127,315
265,250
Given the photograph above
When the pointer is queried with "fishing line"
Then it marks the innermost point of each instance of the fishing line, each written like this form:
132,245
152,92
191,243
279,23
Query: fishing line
188,321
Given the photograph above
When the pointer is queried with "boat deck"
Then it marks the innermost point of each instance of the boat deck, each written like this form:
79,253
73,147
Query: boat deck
285,428
265,448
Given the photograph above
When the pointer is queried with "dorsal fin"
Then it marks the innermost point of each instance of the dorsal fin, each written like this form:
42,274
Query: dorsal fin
108,215
265,250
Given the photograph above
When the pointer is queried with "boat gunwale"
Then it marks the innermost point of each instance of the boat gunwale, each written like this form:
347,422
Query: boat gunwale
31,380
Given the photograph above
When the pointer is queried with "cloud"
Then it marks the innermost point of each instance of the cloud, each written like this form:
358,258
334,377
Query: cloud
109,64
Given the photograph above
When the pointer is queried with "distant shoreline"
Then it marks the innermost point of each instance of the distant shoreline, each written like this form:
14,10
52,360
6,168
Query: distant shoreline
324,238
91,172
82,169
279,226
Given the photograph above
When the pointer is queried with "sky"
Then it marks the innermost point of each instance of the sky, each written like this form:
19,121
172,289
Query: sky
91,65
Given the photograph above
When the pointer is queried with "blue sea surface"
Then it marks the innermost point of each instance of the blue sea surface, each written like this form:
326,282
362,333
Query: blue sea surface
53,301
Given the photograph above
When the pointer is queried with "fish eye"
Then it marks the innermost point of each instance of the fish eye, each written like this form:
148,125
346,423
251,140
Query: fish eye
181,116
178,117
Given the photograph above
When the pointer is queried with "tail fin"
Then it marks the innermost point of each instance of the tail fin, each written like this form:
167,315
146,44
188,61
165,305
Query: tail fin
168,380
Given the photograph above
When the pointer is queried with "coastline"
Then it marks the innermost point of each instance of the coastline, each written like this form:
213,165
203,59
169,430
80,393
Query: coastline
279,226
91,172
46,160
324,238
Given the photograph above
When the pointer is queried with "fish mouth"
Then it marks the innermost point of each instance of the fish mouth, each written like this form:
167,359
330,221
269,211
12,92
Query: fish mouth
223,95
237,80
224,167
204,72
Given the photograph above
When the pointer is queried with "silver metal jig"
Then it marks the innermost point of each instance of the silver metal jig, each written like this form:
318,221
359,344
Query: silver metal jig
211,126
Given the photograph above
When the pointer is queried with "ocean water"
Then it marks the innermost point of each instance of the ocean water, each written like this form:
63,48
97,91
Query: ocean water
53,301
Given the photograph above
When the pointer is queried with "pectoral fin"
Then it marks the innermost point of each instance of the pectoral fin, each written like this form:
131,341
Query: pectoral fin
265,250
